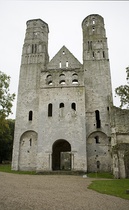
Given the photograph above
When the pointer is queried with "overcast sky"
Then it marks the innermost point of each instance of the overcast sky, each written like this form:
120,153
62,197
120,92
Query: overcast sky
64,19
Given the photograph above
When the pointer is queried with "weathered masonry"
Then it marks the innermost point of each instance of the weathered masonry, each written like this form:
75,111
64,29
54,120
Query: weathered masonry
63,119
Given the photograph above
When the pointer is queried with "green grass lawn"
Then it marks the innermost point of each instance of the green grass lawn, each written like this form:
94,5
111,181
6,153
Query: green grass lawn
101,175
7,168
116,187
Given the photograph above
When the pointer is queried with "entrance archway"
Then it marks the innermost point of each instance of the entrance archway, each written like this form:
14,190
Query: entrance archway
61,155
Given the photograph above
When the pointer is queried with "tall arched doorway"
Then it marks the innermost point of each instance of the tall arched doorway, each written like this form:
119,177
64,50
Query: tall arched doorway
61,155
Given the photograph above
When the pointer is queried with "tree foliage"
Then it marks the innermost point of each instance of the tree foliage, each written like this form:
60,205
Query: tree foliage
6,141
6,125
123,91
6,98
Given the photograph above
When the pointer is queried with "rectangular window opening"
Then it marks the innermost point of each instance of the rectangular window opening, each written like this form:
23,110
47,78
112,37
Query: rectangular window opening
60,65
98,121
30,142
103,54
93,55
67,64
30,115
49,110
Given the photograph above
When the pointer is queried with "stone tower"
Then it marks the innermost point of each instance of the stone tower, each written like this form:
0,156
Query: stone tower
63,108
98,93
34,59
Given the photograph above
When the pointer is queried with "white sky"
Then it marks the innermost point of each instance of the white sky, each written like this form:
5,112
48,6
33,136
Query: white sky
64,19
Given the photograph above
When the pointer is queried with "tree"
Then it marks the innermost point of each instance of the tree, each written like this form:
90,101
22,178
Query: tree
123,91
6,98
6,142
6,126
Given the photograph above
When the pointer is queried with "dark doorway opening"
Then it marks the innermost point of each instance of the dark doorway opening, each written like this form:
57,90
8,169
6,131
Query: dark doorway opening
61,155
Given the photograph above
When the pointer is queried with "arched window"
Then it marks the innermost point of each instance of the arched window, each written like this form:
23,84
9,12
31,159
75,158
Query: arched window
61,105
93,21
62,79
98,121
73,106
49,79
30,115
49,110
74,79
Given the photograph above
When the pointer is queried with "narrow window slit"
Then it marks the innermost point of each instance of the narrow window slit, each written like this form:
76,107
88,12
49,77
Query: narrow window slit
60,65
98,121
49,110
30,142
30,115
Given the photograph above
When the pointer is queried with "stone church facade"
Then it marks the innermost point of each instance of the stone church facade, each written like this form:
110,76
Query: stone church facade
65,115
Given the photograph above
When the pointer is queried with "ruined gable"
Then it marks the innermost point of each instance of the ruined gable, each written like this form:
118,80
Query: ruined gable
64,59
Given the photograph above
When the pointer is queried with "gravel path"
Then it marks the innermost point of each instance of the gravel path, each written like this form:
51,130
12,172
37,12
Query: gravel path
53,192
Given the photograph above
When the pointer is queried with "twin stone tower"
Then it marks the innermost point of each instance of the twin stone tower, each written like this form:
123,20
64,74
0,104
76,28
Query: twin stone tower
63,106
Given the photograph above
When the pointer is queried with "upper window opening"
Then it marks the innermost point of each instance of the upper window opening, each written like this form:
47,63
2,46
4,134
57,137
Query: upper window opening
74,74
63,52
98,121
62,82
93,55
49,110
62,79
30,142
50,83
49,75
35,48
67,64
103,54
30,115
97,139
73,106
74,81
62,75
32,48
60,65
93,21
61,105
49,79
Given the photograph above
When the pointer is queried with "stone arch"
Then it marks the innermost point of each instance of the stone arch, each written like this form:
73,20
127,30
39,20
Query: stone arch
98,151
61,155
28,149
